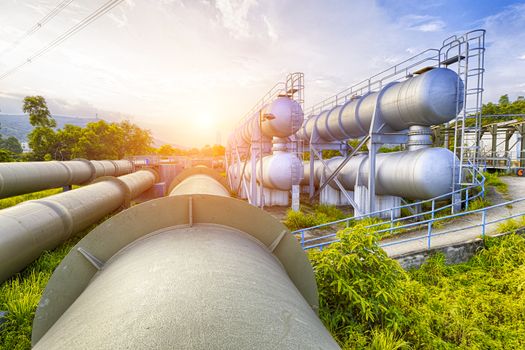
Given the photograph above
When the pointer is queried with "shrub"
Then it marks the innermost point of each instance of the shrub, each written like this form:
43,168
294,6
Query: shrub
493,180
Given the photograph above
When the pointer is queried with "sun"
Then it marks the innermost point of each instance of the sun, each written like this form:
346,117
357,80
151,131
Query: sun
204,120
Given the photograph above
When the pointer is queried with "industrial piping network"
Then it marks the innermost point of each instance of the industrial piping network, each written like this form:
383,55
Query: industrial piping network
194,270
432,97
26,177
34,226
277,169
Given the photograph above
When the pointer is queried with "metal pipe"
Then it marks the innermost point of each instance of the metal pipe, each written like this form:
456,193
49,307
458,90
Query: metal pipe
421,174
431,98
27,177
34,226
280,171
189,271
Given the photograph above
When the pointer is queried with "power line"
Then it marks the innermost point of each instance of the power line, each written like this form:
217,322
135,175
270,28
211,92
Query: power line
62,5
66,35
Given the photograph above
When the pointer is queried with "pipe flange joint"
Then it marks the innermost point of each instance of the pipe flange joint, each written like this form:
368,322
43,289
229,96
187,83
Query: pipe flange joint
123,186
63,213
91,167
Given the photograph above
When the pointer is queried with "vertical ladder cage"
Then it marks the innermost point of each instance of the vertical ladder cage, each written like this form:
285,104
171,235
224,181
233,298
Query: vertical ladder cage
462,53
466,54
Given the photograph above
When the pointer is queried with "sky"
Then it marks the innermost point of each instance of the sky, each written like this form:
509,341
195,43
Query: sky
188,70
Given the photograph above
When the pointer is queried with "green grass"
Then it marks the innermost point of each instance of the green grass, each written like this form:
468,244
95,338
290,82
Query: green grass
368,301
479,203
20,295
321,214
11,201
493,180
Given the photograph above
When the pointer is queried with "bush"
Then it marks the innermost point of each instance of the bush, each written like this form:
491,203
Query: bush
493,180
367,301
322,214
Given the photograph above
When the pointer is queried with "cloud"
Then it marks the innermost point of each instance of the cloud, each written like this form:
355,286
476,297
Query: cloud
423,23
233,15
272,34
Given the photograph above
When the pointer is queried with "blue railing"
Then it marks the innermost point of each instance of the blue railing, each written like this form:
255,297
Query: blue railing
429,223
413,221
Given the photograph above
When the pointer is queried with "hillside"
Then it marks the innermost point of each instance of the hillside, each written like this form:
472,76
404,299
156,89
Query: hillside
18,125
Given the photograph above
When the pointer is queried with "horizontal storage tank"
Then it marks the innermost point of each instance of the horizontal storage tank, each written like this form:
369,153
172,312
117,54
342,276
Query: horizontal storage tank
280,118
422,174
281,170
431,98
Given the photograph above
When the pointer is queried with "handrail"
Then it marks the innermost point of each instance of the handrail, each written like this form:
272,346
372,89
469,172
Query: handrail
373,80
430,223
477,183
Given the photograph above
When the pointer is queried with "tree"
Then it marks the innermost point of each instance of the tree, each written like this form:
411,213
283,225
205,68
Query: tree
11,144
39,115
6,156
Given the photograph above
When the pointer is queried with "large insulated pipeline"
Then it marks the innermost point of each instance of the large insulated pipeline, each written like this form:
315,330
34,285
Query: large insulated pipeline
32,227
188,271
431,98
420,174
26,177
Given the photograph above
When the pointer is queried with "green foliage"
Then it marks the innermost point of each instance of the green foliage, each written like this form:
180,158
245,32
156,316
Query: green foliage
97,140
358,284
6,156
39,115
11,144
384,149
20,295
367,301
9,202
322,214
479,203
504,106
493,180
512,225
206,151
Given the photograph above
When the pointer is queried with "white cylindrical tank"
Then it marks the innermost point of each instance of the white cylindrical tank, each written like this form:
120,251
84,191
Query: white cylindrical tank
280,118
421,174
434,97
281,170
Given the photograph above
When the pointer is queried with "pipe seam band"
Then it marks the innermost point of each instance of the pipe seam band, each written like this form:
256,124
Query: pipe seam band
69,172
126,191
63,213
91,167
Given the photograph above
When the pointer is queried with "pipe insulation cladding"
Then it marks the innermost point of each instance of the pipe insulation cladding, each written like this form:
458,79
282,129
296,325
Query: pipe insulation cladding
280,118
26,177
32,227
421,174
188,271
431,98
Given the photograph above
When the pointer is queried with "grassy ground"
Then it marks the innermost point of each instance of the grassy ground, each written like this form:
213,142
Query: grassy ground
9,202
20,294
